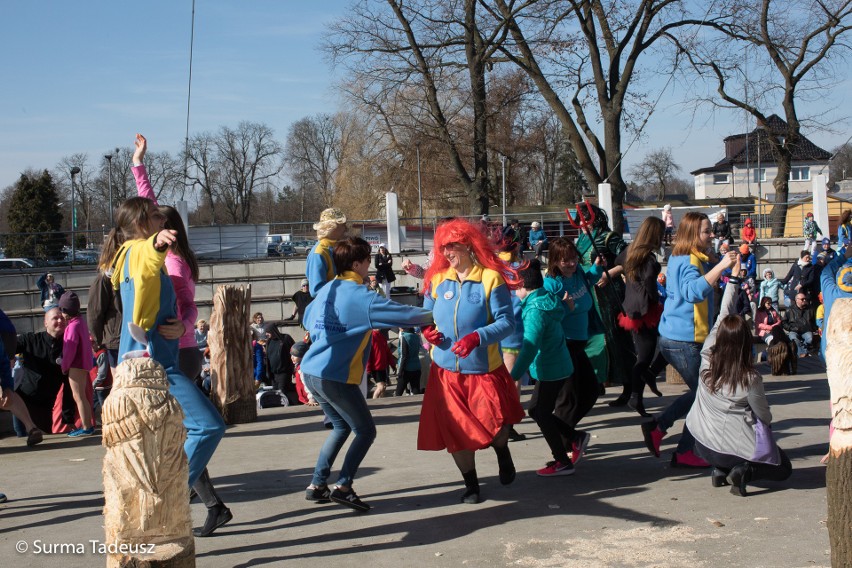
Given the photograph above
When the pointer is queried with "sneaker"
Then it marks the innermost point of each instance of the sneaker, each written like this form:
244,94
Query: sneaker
578,446
321,493
688,459
556,468
349,499
80,432
34,437
653,436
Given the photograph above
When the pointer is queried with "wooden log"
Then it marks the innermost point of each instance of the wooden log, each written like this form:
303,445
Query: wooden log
229,339
146,489
838,357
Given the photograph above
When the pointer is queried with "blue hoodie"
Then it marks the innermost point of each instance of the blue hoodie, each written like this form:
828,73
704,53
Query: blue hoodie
687,311
544,352
836,282
340,321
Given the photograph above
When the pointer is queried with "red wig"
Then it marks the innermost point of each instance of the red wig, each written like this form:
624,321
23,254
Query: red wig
481,246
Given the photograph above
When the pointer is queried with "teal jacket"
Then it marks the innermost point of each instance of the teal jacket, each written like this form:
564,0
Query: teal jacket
544,351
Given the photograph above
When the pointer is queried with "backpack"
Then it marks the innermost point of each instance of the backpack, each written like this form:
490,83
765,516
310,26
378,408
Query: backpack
271,399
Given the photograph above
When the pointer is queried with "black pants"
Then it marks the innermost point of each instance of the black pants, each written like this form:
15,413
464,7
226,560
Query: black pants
726,462
411,379
581,392
648,357
555,430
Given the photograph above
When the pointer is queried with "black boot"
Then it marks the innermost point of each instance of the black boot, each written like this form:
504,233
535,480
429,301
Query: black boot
719,477
637,404
623,397
651,381
471,488
506,465
217,516
739,477
515,436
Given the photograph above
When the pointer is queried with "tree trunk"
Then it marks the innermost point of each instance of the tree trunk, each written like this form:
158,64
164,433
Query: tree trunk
838,355
229,339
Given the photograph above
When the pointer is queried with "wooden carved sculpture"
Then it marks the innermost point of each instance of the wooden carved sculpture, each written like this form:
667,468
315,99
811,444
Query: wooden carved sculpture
229,339
146,474
838,356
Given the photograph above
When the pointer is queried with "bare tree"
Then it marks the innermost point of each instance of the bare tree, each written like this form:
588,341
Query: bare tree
312,153
166,175
773,53
202,171
584,57
840,167
85,196
656,172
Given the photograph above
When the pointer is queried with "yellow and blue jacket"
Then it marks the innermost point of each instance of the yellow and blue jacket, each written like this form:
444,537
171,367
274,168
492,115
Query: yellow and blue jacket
689,301
482,304
319,266
340,321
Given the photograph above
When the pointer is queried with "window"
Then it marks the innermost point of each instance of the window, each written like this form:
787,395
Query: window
800,173
721,178
759,174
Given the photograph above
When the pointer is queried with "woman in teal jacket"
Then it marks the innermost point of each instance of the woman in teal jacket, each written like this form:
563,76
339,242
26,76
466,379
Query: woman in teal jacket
546,356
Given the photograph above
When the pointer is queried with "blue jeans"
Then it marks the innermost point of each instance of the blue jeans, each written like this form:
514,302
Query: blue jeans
685,357
345,406
803,342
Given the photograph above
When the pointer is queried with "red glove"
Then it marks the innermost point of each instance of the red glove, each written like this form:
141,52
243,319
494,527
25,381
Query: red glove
432,335
466,344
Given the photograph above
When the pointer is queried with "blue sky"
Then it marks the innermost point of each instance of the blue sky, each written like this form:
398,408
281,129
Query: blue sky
84,76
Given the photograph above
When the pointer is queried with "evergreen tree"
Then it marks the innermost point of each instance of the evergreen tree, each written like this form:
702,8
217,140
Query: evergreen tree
570,182
35,219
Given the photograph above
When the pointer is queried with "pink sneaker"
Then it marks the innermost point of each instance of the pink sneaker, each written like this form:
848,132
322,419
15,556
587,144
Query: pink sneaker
653,436
688,459
578,447
556,468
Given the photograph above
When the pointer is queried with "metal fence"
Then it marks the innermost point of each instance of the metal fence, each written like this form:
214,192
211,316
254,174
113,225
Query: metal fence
221,242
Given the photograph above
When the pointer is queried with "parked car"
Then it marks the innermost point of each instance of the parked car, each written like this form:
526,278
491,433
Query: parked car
15,263
272,242
303,247
286,249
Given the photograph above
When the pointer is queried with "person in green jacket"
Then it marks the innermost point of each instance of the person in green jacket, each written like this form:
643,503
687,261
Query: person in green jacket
546,356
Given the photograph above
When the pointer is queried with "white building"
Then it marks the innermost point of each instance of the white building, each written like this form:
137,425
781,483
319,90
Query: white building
748,168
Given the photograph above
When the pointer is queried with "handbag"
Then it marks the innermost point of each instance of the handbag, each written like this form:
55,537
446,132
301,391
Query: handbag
765,448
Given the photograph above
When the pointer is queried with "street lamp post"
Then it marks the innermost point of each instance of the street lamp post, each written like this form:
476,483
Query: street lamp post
108,158
74,171
503,175
420,197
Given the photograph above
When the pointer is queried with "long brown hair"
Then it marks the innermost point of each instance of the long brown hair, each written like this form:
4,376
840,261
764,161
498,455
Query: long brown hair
845,217
560,249
181,245
730,358
647,240
689,234
130,219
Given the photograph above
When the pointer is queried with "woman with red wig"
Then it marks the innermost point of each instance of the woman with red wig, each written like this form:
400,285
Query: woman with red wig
471,402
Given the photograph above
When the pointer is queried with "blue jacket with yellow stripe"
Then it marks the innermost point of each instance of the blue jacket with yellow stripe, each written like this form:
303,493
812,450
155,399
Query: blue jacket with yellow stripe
482,304
340,320
689,305
319,266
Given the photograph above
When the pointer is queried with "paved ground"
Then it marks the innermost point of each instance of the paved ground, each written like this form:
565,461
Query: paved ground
622,508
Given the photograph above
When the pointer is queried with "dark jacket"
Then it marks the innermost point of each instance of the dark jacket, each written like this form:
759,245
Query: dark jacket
278,355
804,276
722,230
799,320
42,376
640,295
384,267
45,288
103,313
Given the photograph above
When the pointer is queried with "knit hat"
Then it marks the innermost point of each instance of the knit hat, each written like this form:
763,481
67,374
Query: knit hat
69,303
299,349
809,214
304,282
768,271
535,225
328,221
531,275
744,249
826,241
661,279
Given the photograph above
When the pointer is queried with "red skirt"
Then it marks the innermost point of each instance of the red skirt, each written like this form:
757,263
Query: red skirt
649,320
465,412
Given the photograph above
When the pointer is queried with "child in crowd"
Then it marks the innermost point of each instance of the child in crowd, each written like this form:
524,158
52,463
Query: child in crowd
748,233
668,219
77,361
748,261
408,379
769,287
820,315
201,331
296,353
545,355
257,326
380,359
259,359
661,288
810,231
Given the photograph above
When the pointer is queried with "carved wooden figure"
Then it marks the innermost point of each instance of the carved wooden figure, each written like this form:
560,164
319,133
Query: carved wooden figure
146,474
229,339
838,357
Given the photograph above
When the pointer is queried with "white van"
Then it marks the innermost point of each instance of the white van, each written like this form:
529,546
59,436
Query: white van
15,263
